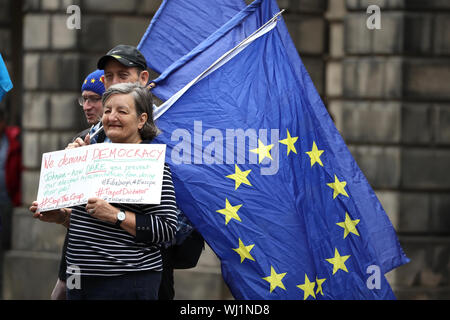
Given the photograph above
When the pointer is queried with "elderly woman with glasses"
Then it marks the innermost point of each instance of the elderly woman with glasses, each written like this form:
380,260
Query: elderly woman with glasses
115,247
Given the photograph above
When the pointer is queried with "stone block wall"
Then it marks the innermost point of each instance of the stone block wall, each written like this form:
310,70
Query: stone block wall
302,16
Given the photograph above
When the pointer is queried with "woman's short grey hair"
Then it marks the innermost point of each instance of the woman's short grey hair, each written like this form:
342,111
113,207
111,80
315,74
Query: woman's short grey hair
143,101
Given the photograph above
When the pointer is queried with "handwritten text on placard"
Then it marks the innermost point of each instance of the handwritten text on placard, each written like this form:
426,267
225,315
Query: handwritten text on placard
117,173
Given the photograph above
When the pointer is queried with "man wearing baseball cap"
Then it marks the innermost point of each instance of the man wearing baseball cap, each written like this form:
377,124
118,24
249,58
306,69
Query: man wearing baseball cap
122,64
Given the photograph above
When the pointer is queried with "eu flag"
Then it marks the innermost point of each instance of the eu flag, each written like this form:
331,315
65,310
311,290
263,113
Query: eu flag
263,174
5,80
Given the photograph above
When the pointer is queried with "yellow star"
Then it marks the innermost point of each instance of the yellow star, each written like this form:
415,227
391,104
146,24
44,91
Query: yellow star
239,177
308,288
338,187
319,285
289,141
338,261
275,279
244,251
92,80
349,225
263,151
315,154
85,81
230,212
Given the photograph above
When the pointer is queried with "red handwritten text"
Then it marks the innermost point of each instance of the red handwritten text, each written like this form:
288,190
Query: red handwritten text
120,192
54,202
117,153
69,160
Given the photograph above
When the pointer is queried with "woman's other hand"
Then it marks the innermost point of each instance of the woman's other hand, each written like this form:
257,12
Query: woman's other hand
79,142
102,210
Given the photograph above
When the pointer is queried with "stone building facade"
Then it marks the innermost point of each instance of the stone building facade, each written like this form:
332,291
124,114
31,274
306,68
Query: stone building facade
387,90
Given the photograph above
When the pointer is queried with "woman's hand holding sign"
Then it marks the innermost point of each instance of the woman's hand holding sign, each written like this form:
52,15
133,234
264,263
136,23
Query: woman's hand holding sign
60,216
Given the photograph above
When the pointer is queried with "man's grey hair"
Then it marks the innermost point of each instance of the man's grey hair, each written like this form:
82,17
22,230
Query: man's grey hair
143,101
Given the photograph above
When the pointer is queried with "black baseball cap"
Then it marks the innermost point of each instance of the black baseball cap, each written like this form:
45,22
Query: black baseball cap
127,55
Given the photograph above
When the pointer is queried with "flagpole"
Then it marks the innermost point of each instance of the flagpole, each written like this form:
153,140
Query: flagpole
269,25
243,42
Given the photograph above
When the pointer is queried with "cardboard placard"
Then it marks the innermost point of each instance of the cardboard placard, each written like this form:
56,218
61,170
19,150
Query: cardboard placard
115,172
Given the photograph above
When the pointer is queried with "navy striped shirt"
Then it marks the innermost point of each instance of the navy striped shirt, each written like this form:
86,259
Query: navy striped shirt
98,248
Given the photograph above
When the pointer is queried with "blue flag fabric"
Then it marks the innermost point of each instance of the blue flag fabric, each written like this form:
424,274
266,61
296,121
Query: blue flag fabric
231,33
178,26
5,80
264,175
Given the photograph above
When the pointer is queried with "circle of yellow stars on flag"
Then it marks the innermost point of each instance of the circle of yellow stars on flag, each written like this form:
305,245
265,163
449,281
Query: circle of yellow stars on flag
313,287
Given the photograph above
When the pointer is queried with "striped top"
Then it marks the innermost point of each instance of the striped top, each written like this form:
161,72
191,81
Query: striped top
98,248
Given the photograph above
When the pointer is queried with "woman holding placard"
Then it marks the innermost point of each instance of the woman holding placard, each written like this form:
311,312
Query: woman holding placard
113,248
